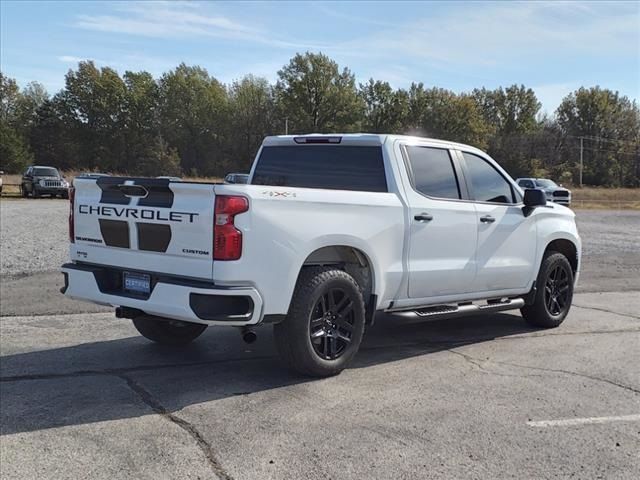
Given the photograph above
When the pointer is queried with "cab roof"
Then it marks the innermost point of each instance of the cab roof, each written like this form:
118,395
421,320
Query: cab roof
362,139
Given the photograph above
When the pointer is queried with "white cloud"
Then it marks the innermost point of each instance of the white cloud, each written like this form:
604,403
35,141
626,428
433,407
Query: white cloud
70,59
178,19
491,34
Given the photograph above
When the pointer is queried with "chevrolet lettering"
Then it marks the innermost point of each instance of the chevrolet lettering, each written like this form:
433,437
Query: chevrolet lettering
142,214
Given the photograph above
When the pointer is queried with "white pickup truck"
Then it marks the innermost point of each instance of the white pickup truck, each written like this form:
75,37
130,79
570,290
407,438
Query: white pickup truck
329,230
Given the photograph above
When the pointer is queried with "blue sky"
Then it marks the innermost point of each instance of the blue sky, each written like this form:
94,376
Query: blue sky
553,47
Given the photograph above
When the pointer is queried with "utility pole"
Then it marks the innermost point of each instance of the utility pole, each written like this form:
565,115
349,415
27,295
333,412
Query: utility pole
286,125
581,159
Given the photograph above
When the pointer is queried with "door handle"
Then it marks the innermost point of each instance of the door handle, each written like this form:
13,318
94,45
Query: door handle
487,219
423,217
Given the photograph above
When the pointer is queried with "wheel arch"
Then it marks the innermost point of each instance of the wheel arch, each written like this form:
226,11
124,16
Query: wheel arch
566,247
353,260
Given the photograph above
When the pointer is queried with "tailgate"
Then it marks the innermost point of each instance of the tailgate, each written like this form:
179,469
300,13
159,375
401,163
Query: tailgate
149,224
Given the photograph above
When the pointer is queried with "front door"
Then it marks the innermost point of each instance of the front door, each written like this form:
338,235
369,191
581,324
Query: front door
506,237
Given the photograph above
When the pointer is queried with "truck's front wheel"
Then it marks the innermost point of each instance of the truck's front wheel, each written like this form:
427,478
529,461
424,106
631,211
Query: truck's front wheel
167,332
554,293
325,324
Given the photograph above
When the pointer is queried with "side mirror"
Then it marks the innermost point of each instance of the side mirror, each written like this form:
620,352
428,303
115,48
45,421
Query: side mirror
534,197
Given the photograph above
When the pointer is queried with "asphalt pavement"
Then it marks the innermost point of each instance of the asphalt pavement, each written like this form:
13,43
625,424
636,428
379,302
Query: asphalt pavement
82,395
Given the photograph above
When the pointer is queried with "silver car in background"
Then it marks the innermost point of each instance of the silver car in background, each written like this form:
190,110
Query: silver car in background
554,192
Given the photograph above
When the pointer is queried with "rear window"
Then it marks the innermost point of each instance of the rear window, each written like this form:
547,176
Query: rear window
333,167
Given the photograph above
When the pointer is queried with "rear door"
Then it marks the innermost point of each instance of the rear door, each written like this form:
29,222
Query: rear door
146,224
442,233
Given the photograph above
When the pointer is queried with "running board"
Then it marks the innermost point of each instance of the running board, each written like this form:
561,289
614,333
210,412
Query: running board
460,310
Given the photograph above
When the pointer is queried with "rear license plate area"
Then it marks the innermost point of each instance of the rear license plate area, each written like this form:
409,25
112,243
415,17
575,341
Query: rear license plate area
138,283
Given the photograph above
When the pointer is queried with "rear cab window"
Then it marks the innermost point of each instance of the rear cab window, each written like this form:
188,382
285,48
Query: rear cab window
432,172
331,167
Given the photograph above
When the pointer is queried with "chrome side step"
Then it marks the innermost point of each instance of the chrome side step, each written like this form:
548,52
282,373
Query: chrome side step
460,310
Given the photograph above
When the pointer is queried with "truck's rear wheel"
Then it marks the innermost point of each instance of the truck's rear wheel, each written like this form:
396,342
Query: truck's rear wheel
167,332
554,292
325,324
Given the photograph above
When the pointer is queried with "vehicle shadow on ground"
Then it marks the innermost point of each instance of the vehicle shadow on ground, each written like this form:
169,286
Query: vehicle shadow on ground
122,378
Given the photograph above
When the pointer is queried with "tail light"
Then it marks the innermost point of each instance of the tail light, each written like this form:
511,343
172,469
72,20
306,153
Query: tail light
72,225
227,239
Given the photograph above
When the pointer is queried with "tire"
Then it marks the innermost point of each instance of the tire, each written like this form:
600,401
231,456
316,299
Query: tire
167,332
23,191
323,329
35,193
554,292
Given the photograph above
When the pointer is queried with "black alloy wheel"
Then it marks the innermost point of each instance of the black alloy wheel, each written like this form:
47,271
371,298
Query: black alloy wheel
556,290
552,299
331,323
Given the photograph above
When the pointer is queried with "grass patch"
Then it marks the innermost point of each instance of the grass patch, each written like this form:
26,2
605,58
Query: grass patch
606,198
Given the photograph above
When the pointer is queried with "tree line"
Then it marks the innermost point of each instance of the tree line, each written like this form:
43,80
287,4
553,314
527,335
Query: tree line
188,123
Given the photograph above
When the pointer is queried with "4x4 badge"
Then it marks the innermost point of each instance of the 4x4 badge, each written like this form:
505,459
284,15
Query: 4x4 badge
272,193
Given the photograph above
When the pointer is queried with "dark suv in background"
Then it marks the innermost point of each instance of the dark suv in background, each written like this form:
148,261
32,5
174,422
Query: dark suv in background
38,181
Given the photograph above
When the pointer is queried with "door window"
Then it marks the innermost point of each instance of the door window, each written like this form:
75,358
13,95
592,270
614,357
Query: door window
432,172
526,184
487,184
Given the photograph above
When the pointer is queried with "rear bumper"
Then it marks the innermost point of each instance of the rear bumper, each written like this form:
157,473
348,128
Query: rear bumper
170,297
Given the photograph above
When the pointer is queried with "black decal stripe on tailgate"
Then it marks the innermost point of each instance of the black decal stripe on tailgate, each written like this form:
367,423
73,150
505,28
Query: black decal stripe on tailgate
110,192
160,195
115,233
153,237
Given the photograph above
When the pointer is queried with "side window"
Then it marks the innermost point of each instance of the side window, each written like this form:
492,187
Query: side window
487,184
526,184
433,173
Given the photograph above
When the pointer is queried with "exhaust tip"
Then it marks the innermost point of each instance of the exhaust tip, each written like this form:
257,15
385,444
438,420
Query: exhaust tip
249,336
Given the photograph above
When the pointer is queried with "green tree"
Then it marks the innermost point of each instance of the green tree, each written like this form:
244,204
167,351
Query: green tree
252,107
14,151
9,98
14,148
92,107
610,126
194,118
156,158
440,113
385,110
316,96
141,126
511,115
510,111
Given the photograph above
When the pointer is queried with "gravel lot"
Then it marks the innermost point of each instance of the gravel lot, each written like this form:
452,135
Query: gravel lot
33,235
82,395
